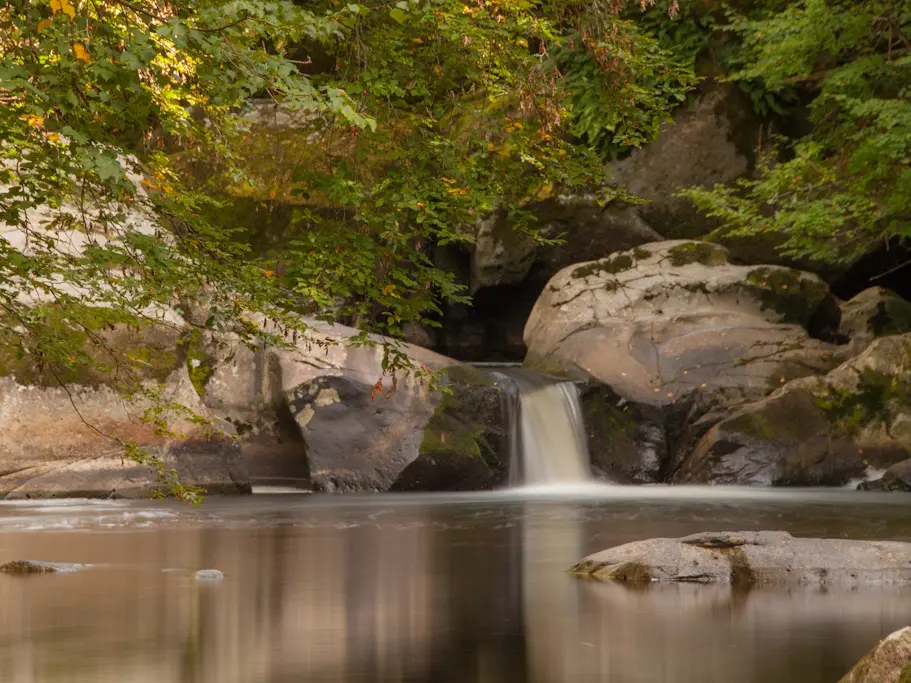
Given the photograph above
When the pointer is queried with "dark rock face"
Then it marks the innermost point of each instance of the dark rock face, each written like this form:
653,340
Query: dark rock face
710,144
357,439
895,478
753,559
627,440
874,313
823,430
465,445
888,662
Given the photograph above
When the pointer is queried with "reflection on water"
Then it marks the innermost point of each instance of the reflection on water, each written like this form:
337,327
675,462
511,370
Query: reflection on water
423,588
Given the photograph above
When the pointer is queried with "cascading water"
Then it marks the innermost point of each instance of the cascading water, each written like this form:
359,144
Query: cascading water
548,444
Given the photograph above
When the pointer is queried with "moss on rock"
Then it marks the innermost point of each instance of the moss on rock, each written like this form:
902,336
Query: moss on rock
469,375
788,293
200,364
704,253
869,403
612,265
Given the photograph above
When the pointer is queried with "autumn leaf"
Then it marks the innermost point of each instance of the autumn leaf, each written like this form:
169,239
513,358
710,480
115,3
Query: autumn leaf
269,273
81,53
388,289
44,24
64,6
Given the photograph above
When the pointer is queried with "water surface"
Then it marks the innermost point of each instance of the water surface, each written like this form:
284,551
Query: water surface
431,588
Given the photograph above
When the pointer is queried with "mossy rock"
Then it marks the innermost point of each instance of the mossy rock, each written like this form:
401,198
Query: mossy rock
794,297
704,253
871,402
469,375
617,263
464,445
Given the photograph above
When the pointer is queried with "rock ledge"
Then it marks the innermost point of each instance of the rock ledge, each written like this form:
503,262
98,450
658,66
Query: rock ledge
753,558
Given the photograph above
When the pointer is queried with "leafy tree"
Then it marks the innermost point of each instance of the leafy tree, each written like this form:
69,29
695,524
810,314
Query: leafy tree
846,185
432,114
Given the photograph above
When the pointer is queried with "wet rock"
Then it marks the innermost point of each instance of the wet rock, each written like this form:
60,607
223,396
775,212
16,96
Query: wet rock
895,478
753,558
888,662
465,443
208,575
38,567
357,438
822,430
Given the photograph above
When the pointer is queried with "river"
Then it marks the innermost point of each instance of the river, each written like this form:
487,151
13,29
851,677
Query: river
429,588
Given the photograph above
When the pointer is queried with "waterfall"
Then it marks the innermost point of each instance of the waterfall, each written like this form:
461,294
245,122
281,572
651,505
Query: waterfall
548,444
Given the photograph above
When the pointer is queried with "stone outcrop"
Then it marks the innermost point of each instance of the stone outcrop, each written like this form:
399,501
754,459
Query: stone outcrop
888,662
710,144
465,443
62,441
319,414
895,478
822,430
753,558
874,313
676,331
329,407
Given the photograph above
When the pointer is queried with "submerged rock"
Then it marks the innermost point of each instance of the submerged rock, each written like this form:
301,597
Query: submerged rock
753,558
39,567
208,575
888,662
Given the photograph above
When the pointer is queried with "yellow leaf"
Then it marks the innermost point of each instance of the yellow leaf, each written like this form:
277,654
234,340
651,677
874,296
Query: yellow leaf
53,137
269,273
417,41
491,147
388,289
44,23
81,53
64,6
437,68
34,120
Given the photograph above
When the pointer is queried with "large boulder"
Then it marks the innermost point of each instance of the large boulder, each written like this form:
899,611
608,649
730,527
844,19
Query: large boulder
675,329
350,425
465,444
64,441
875,312
753,558
824,430
711,143
895,478
888,662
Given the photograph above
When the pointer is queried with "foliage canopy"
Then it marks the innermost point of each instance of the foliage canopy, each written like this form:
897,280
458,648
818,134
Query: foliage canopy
125,127
845,185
